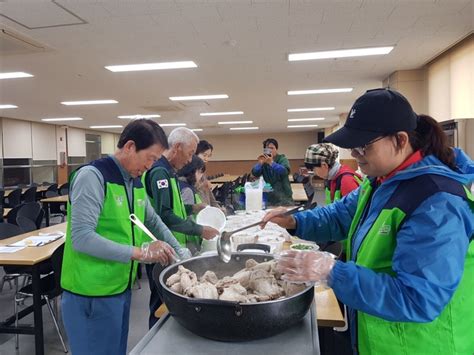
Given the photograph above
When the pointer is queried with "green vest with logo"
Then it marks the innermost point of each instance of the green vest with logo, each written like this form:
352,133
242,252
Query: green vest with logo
177,206
87,275
337,197
452,332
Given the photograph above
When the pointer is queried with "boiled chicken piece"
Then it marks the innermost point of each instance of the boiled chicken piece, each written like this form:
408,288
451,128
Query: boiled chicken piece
209,276
291,289
188,280
176,287
225,282
235,293
203,290
265,284
175,278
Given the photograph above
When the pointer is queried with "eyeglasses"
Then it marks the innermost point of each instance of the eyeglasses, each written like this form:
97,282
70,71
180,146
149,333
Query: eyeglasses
361,150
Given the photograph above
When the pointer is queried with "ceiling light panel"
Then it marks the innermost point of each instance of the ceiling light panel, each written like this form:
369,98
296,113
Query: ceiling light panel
138,116
221,113
62,119
199,97
15,75
235,122
319,91
89,102
310,109
242,128
7,106
151,66
342,53
196,129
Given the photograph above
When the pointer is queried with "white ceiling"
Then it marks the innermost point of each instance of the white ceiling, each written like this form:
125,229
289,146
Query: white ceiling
240,47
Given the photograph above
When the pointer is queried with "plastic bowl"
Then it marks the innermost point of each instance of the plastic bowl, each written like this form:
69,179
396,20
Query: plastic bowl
213,217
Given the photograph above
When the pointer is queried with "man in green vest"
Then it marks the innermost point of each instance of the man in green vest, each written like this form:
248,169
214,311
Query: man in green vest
162,187
103,248
409,276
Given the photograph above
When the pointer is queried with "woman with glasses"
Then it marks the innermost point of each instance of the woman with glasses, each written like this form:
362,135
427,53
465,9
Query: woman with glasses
409,274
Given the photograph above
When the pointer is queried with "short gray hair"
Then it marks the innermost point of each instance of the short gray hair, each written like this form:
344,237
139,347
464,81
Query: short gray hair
182,135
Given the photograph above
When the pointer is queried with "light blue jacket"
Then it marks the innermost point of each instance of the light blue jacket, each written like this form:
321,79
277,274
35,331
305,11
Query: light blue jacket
429,256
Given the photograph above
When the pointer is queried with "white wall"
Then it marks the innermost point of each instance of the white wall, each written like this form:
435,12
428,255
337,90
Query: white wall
42,137
76,142
17,139
249,146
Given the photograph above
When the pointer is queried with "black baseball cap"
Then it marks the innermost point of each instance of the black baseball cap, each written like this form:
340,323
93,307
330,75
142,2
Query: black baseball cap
376,113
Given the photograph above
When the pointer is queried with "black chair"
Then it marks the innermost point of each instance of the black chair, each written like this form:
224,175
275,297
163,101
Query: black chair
11,216
39,219
29,195
26,224
55,209
64,189
13,199
12,273
30,210
52,187
50,289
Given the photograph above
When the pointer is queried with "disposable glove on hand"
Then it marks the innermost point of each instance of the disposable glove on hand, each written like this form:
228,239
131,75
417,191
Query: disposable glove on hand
157,251
184,253
305,266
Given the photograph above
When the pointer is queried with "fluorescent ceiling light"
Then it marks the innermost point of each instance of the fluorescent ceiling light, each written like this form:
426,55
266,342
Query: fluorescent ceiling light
309,109
109,126
199,97
319,91
302,126
172,124
7,106
242,128
221,113
135,117
234,122
61,119
90,102
196,129
342,53
14,75
306,119
152,66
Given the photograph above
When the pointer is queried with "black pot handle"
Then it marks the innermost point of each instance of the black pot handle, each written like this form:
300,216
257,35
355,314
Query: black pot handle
197,304
264,247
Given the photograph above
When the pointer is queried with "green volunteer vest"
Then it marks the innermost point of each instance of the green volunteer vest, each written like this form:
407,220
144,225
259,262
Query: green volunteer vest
87,275
337,197
452,332
178,209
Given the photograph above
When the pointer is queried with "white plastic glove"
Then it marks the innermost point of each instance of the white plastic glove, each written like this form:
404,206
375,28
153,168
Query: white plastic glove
157,251
184,253
305,266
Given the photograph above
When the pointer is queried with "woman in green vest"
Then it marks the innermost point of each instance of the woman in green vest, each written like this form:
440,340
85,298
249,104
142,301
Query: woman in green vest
409,276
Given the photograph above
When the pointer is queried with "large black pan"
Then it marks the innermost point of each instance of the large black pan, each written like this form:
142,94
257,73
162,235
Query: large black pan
230,321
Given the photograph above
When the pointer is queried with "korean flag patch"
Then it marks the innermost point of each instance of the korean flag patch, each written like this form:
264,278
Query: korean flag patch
162,184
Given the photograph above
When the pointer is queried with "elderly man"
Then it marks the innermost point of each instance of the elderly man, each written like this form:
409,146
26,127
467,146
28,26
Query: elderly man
163,189
102,248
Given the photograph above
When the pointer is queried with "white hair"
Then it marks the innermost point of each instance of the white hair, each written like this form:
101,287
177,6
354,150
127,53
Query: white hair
182,135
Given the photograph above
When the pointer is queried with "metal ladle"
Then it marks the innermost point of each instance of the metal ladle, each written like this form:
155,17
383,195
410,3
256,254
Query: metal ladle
140,225
223,241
